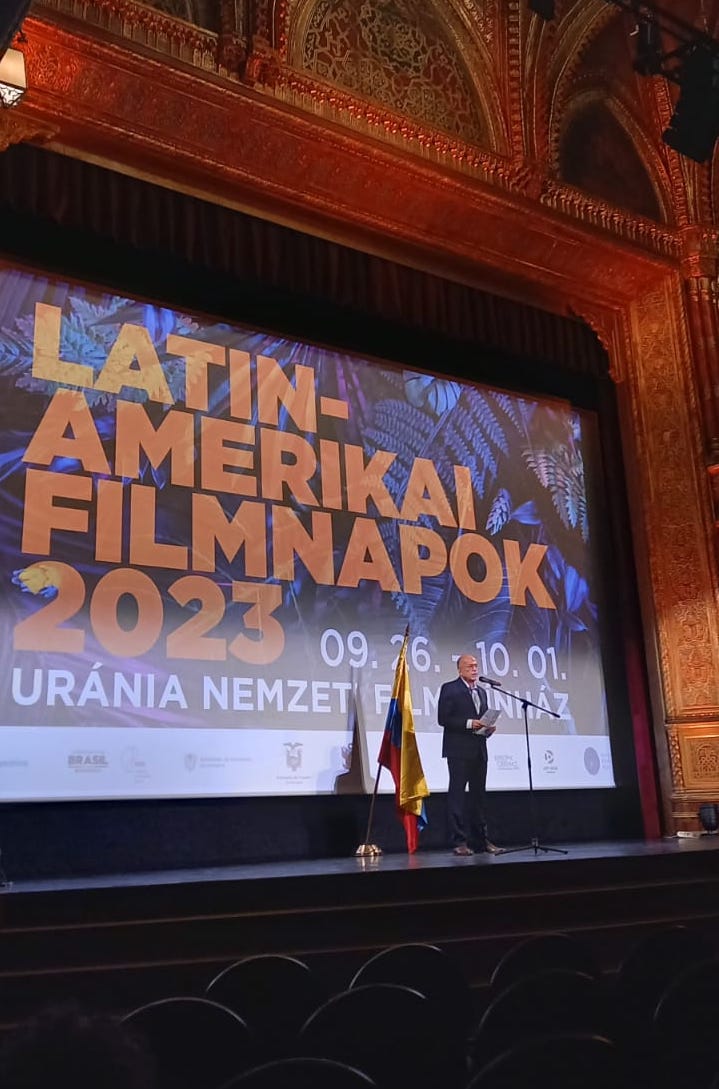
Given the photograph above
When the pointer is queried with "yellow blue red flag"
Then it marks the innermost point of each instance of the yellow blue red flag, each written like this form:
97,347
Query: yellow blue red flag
400,754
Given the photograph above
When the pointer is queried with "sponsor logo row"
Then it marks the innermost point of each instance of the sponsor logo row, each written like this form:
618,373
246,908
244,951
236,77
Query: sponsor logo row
290,755
549,762
132,760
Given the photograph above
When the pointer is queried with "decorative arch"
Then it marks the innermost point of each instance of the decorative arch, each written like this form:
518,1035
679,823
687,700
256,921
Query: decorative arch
561,55
416,58
603,151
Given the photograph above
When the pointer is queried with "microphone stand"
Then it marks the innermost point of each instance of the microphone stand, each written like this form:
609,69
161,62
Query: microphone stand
534,844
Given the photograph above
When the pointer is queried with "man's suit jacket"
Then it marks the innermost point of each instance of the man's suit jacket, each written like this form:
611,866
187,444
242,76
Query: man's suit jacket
454,708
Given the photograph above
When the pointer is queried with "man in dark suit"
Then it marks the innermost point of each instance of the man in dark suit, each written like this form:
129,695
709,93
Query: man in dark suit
459,712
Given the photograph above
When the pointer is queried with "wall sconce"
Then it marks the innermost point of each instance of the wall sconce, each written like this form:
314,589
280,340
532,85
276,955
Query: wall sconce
13,81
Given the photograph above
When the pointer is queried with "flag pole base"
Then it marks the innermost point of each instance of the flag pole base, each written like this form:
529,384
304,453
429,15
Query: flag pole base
366,849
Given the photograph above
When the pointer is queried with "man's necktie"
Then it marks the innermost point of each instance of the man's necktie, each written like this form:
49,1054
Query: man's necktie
475,700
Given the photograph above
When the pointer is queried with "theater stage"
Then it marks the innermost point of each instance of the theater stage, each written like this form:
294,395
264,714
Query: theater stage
427,862
115,941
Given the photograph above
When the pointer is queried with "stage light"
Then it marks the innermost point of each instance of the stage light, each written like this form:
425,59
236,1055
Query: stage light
694,127
13,82
543,8
709,818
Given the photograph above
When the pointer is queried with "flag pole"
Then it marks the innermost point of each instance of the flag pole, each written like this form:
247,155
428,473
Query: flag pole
368,849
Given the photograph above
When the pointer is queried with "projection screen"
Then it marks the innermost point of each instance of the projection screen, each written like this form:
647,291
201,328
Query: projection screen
213,540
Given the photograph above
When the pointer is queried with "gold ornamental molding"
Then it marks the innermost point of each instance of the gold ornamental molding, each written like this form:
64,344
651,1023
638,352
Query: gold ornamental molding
597,213
700,258
613,329
212,137
18,129
141,24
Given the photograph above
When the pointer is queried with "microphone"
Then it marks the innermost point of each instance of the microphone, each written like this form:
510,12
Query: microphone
489,680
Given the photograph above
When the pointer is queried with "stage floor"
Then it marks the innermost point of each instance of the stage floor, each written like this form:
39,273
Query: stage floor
118,940
398,863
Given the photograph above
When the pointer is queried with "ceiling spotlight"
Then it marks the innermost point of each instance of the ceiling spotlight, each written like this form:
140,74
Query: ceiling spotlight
694,127
13,82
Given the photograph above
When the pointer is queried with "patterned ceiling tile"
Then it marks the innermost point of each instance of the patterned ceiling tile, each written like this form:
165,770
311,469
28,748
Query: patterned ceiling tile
396,52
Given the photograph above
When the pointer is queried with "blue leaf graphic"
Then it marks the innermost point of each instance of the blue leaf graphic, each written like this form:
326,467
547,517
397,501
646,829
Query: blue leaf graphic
426,391
500,511
526,514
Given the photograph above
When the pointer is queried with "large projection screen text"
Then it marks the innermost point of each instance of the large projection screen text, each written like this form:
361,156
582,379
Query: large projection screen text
214,539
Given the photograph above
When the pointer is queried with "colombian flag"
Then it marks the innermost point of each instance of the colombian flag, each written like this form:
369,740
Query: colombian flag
399,753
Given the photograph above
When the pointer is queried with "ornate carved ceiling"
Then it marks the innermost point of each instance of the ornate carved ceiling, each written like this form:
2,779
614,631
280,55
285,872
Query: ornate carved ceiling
399,55
419,130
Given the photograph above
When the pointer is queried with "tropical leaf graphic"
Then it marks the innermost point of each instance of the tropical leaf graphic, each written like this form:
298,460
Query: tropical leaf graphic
426,391
499,512
472,431
519,411
560,469
575,612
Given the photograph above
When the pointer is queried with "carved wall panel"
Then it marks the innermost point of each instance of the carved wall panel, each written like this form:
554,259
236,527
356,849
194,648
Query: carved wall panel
675,508
671,491
695,766
699,748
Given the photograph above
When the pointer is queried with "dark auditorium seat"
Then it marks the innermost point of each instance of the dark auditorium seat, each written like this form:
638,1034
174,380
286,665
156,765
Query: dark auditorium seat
542,953
196,1043
651,966
274,995
555,1061
66,1045
302,1073
388,1032
543,1003
427,969
685,1027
